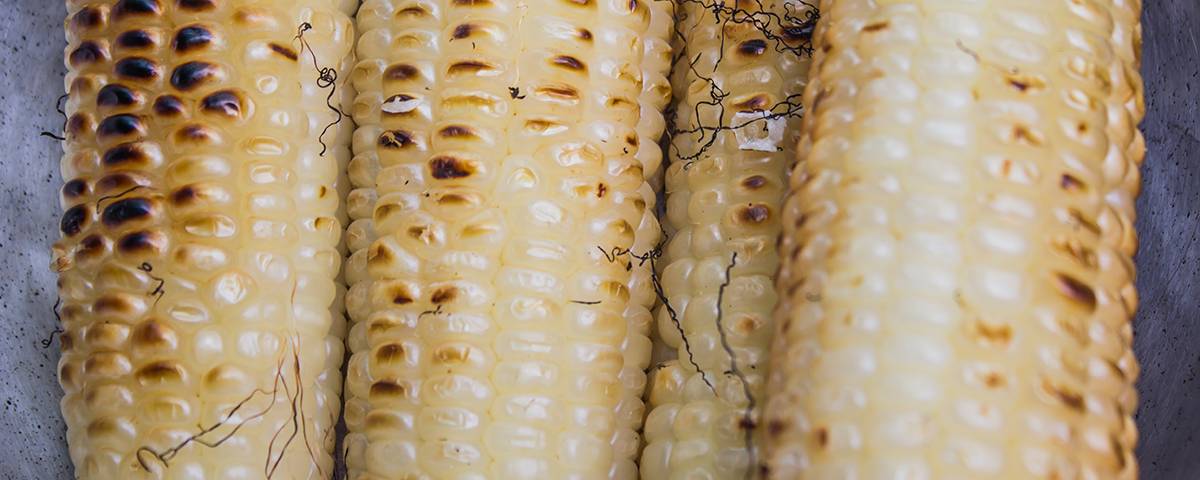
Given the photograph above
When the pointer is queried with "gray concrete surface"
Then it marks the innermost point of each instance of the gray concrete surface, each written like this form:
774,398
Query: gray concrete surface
1168,327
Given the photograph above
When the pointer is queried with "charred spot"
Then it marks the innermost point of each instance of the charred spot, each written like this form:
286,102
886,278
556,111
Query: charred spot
160,372
74,219
463,31
136,7
75,188
822,437
754,47
86,53
196,133
153,334
190,38
584,34
126,210
756,103
390,352
402,296
192,74
116,95
88,18
1026,135
560,92
446,167
137,39
197,5
185,195
126,153
395,139
568,62
746,423
386,388
468,66
456,131
798,33
876,27
1075,290
92,246
223,102
286,52
1071,400
121,125
1071,183
998,335
631,141
401,72
80,124
601,189
754,213
413,11
776,427
138,68
755,182
1025,83
443,295
116,181
140,242
1076,250
168,106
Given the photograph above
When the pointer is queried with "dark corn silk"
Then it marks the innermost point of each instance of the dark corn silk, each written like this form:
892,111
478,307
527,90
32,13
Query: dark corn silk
199,234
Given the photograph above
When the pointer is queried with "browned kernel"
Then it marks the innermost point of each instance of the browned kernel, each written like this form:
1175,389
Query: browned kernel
568,62
401,72
223,102
197,5
193,74
469,67
136,7
86,53
75,219
876,27
120,125
389,352
138,68
142,242
754,182
752,47
395,139
169,106
444,295
126,210
1075,290
286,52
137,39
191,37
463,31
115,95
445,167
754,213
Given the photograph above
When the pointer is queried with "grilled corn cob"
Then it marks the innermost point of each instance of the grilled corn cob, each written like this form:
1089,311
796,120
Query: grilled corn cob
725,190
499,167
957,284
199,239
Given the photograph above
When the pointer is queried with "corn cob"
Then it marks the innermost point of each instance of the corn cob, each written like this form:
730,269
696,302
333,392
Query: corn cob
737,85
957,283
498,166
199,240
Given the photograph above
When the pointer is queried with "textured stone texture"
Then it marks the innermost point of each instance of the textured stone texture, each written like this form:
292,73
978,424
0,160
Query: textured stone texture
1168,330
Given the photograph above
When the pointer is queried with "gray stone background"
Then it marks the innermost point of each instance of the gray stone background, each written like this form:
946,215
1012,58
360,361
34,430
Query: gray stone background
1168,333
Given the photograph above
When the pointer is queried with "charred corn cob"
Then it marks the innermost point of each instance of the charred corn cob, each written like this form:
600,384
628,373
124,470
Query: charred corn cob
199,239
499,167
737,88
956,284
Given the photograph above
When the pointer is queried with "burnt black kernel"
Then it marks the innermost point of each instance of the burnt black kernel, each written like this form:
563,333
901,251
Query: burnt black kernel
126,210
135,39
463,31
139,241
569,62
91,245
224,102
117,95
395,139
138,68
184,195
753,47
123,124
168,106
286,52
73,220
191,74
136,7
401,72
191,37
88,17
75,188
87,52
445,167
197,5
125,153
